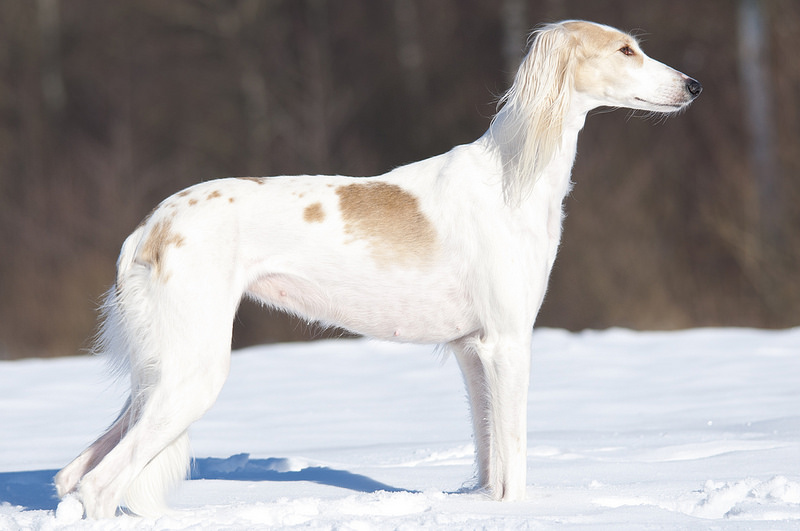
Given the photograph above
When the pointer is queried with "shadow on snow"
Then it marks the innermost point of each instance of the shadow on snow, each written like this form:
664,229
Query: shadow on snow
34,489
240,467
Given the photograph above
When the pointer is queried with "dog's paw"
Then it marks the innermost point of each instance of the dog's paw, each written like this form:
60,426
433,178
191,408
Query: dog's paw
66,482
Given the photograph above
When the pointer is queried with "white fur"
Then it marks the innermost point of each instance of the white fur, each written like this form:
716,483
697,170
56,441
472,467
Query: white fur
456,249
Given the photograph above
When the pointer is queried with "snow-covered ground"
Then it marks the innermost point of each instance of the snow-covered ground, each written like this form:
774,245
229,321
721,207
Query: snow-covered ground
627,430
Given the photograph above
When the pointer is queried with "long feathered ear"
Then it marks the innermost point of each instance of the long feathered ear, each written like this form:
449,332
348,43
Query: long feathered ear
528,127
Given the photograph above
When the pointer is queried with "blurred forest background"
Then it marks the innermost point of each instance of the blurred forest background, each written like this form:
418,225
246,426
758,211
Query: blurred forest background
106,108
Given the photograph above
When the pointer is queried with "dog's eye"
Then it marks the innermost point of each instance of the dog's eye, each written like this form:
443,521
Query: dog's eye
627,50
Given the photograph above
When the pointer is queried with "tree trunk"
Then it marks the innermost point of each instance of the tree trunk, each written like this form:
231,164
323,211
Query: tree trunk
757,100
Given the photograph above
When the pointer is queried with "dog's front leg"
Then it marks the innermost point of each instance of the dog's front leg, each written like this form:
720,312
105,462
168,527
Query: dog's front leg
475,380
497,373
508,375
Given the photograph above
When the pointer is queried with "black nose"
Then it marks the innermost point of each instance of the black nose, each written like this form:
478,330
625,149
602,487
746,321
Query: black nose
694,87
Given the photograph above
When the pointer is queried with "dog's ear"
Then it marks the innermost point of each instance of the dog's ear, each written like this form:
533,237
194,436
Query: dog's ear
529,126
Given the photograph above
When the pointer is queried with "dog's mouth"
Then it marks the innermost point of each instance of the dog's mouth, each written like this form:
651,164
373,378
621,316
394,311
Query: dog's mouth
673,106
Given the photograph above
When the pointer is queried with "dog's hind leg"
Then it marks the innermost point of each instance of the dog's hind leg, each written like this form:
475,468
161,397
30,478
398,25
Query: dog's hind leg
179,337
153,455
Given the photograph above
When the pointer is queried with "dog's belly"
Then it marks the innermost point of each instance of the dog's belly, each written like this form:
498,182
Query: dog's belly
419,311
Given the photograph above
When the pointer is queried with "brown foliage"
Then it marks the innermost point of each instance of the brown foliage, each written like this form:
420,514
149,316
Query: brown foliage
108,107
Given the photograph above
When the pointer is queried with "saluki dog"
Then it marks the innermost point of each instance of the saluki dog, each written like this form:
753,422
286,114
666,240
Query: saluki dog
456,250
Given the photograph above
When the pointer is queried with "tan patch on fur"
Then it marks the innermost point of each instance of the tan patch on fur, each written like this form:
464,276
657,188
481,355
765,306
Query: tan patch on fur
155,248
390,219
192,202
257,180
231,200
214,195
600,40
314,213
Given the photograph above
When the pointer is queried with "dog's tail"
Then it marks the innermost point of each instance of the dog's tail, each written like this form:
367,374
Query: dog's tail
114,338
129,339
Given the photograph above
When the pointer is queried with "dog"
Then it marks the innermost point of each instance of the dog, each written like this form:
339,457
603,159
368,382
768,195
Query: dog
456,249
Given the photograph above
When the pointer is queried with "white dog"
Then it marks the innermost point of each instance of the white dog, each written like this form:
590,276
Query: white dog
456,249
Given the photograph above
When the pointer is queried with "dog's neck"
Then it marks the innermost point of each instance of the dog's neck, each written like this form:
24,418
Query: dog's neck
506,138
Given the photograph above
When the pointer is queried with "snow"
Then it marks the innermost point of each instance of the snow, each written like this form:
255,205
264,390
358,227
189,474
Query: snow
627,430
